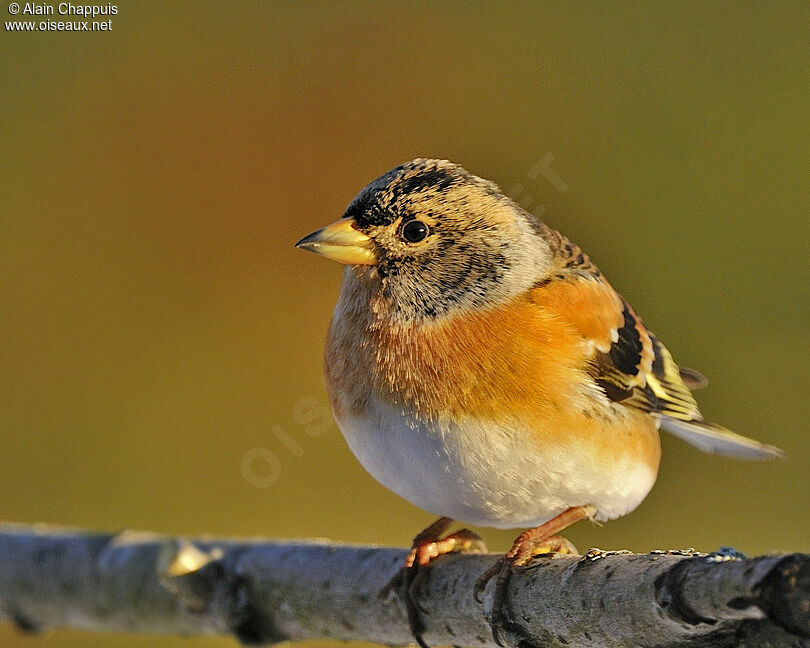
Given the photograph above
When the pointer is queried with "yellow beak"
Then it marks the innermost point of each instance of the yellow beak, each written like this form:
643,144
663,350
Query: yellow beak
342,242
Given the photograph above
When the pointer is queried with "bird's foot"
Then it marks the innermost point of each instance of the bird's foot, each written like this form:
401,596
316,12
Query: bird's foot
427,546
462,540
535,542
502,572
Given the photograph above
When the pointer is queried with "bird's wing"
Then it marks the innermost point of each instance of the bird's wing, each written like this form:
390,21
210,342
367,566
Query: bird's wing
627,361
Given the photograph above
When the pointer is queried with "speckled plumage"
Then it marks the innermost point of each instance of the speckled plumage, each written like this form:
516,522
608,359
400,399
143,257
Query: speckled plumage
496,332
480,366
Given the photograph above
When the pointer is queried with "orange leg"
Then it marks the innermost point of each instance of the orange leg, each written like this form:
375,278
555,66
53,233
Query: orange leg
425,544
540,540
429,544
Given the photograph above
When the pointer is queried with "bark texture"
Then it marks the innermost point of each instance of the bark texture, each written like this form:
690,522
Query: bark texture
266,592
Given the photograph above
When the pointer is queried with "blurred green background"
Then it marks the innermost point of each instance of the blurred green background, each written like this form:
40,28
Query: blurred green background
158,327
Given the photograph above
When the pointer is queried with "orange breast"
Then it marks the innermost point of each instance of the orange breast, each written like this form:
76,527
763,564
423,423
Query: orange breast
477,364
521,361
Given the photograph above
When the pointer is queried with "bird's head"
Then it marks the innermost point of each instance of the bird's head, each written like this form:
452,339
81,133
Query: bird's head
436,239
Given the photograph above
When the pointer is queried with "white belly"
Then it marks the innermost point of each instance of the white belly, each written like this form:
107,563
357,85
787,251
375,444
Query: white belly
488,475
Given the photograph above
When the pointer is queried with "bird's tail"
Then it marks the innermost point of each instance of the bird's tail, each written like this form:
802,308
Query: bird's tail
713,438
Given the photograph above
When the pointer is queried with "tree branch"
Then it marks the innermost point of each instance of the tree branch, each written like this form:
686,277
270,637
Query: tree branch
265,592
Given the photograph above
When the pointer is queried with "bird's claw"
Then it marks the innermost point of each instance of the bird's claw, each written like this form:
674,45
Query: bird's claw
483,580
501,571
392,585
427,547
406,583
517,559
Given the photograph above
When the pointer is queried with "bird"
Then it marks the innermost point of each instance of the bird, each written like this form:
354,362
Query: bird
480,366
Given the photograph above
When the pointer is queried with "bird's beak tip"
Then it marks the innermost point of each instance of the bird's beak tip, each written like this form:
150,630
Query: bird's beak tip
341,241
306,242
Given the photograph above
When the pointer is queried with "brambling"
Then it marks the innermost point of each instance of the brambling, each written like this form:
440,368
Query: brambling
480,366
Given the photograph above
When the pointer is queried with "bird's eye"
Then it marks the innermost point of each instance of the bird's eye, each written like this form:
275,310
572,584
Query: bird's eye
414,231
